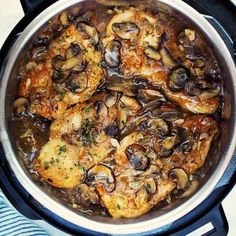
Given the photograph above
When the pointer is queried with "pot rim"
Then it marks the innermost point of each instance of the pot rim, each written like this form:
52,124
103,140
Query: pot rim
45,200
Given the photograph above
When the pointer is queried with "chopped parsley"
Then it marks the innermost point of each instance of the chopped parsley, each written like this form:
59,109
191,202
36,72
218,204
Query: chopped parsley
87,109
122,105
62,149
88,96
52,161
87,133
46,165
81,167
142,141
148,188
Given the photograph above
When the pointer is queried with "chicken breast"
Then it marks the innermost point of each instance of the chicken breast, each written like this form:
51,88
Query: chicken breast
58,164
123,204
69,73
161,56
86,134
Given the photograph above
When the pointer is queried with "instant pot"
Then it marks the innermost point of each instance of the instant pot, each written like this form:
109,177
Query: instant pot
221,15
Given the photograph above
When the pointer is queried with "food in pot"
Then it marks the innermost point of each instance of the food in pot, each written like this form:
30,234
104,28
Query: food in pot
115,114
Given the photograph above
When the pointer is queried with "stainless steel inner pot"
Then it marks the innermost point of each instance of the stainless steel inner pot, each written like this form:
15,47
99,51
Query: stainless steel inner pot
156,218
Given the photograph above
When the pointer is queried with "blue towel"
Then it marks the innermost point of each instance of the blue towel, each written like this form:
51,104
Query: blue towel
12,223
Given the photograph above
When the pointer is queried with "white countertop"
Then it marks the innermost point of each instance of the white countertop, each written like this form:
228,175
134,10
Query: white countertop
10,13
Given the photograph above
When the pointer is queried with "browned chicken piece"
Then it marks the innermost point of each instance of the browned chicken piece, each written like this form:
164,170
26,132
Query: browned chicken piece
87,134
58,164
123,204
192,153
150,47
69,73
148,167
135,186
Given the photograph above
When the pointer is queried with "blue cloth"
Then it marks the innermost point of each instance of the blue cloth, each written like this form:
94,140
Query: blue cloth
12,223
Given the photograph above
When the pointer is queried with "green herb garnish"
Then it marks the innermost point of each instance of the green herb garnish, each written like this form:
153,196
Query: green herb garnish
87,109
148,188
46,165
62,149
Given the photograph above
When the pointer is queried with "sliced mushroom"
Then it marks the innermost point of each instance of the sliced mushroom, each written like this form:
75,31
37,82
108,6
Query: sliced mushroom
180,177
88,32
102,109
186,145
190,34
63,18
136,155
183,40
77,83
191,189
20,105
169,142
115,143
148,95
75,63
69,64
112,53
39,53
129,91
87,194
111,100
101,175
117,83
60,77
112,130
167,60
57,62
126,30
152,53
73,50
199,63
191,89
161,151
211,93
167,113
153,170
130,104
178,78
150,186
203,136
158,125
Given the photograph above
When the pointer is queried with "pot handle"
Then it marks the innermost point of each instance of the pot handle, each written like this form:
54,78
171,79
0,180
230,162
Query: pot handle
29,5
214,223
